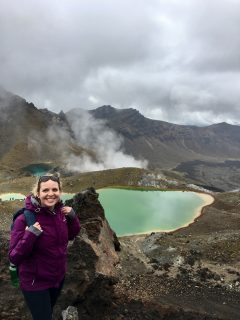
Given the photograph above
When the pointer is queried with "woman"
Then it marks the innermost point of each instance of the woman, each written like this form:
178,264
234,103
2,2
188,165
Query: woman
40,251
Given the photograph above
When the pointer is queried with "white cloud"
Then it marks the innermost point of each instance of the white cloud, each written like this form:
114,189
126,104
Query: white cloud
158,56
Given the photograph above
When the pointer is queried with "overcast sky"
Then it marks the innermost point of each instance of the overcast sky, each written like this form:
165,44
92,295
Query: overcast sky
177,61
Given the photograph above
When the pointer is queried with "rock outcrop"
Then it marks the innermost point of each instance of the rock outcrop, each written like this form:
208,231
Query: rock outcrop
92,257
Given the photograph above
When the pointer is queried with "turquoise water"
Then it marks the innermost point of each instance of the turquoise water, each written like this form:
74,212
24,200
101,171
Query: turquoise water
12,196
133,211
66,196
38,169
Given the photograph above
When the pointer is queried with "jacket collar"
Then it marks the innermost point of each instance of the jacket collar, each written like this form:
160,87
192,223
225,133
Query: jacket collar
33,204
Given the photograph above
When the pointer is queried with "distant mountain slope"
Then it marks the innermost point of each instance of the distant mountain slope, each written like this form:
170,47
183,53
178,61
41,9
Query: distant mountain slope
30,135
165,144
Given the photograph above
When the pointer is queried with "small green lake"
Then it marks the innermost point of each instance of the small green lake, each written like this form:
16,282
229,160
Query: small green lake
12,196
37,169
136,212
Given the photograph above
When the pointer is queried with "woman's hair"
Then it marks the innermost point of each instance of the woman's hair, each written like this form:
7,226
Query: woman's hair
54,177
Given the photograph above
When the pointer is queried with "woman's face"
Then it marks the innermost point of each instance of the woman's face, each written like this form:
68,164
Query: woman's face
49,193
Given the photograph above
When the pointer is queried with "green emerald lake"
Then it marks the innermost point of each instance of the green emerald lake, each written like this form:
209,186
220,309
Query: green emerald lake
135,212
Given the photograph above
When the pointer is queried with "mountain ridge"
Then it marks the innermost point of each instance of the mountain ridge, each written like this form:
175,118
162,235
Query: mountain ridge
214,142
162,144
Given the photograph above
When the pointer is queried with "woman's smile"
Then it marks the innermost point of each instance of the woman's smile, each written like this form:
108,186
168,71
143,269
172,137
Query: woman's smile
49,194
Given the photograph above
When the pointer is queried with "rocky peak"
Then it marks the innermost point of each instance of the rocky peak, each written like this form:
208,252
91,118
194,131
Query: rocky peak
108,112
105,110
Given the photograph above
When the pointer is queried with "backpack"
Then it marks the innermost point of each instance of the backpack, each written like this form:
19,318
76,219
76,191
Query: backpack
29,217
30,220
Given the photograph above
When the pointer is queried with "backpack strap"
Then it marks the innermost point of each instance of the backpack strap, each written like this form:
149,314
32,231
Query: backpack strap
29,217
15,215
30,220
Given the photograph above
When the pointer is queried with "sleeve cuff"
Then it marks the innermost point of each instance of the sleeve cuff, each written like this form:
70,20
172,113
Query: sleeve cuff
71,214
34,230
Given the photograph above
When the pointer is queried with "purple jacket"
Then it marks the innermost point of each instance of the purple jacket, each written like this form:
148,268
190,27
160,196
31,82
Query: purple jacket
41,256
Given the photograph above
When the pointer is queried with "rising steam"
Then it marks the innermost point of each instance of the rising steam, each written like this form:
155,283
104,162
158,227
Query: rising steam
82,143
93,134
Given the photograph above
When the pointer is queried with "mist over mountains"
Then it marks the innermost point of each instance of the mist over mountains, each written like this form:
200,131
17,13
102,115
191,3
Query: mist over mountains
165,144
106,138
74,141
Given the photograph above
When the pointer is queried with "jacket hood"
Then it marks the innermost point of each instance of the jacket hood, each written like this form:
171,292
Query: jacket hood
33,204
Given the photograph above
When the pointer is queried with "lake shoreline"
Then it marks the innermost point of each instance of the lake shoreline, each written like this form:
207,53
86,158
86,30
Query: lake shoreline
208,200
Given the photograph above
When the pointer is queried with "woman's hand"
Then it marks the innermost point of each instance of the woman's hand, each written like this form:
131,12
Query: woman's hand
66,210
37,225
